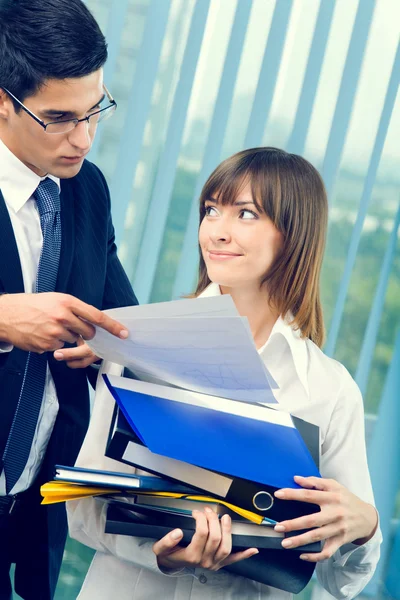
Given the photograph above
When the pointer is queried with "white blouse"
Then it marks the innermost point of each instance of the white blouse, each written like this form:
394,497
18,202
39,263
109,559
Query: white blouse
313,387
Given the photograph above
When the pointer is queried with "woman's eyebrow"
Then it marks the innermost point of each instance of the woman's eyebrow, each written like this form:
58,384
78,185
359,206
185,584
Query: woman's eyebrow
243,202
236,203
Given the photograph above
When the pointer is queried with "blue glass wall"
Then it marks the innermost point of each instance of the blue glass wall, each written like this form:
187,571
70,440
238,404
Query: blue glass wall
197,80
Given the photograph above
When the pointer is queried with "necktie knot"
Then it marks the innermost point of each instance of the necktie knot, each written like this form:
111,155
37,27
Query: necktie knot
47,197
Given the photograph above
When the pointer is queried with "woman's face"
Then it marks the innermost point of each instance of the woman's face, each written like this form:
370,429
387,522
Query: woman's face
238,242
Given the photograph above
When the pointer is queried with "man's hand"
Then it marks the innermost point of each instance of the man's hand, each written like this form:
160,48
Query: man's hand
77,358
343,517
44,322
210,548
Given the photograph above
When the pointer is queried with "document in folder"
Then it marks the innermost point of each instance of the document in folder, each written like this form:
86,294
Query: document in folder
240,452
201,345
71,483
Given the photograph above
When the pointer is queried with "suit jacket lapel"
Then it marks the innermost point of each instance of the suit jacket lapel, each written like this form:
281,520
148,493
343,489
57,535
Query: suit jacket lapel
10,265
68,234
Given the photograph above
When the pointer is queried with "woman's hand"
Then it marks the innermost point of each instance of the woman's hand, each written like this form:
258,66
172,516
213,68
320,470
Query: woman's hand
343,517
210,548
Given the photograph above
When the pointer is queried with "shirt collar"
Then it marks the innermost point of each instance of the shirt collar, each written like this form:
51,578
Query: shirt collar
282,328
17,181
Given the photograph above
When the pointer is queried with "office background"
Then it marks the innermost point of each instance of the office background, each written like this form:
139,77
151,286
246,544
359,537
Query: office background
196,81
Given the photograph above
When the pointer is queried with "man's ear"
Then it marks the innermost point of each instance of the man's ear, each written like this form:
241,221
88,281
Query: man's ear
5,105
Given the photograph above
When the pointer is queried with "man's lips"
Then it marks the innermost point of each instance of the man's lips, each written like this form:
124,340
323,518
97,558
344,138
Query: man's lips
72,160
74,157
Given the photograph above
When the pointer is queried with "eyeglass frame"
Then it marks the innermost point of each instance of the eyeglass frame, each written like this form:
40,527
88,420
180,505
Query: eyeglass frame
76,121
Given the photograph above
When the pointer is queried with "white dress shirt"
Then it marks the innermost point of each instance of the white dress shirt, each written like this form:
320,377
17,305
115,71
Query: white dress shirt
313,387
17,184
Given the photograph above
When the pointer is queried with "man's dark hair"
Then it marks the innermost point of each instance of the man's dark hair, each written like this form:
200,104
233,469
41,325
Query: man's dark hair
47,39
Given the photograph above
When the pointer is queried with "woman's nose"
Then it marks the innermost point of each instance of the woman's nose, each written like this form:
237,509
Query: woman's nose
221,231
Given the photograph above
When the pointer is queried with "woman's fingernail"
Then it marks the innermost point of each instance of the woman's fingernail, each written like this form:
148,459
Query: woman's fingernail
58,355
124,334
304,556
255,552
176,534
208,509
280,494
287,543
279,528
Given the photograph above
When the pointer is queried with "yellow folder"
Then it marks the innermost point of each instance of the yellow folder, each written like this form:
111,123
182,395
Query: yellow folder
61,491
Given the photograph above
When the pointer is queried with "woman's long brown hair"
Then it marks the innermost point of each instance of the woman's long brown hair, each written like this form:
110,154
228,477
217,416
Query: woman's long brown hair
290,191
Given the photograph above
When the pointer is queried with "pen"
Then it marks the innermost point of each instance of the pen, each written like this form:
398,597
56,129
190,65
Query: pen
267,521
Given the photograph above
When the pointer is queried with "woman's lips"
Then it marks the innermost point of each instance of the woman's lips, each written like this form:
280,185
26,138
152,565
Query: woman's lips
213,255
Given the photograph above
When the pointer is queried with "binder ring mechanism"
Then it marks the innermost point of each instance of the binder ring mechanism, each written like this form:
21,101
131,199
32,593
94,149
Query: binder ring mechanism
263,501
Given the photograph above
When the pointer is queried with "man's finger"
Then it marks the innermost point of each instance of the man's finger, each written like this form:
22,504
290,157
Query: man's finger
85,330
69,337
77,327
79,364
78,353
96,317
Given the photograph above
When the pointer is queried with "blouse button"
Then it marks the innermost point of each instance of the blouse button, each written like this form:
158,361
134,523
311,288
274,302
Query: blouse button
203,578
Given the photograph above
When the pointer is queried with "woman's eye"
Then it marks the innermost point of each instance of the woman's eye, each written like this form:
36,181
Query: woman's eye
248,214
211,211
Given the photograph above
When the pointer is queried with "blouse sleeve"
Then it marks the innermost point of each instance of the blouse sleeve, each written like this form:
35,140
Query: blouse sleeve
344,458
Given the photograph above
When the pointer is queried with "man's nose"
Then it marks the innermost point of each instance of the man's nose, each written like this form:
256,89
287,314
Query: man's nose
80,136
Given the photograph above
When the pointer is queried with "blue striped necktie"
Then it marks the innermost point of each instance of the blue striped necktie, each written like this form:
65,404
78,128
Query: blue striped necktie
23,427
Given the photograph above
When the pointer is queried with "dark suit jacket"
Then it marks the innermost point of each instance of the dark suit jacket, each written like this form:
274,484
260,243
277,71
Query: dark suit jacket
90,270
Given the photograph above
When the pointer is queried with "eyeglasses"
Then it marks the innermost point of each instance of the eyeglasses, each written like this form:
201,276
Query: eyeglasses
64,126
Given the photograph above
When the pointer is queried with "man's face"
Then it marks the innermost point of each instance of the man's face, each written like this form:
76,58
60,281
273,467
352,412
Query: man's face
60,155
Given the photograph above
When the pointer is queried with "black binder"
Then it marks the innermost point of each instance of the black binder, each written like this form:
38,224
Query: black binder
155,522
273,565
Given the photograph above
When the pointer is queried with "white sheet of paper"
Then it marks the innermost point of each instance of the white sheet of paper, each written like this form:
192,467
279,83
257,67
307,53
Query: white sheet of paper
215,306
212,355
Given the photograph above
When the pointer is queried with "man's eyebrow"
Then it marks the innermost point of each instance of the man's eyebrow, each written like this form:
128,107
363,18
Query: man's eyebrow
53,112
99,102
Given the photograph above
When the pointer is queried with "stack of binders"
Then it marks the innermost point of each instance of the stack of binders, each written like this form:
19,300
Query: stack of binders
233,455
201,412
